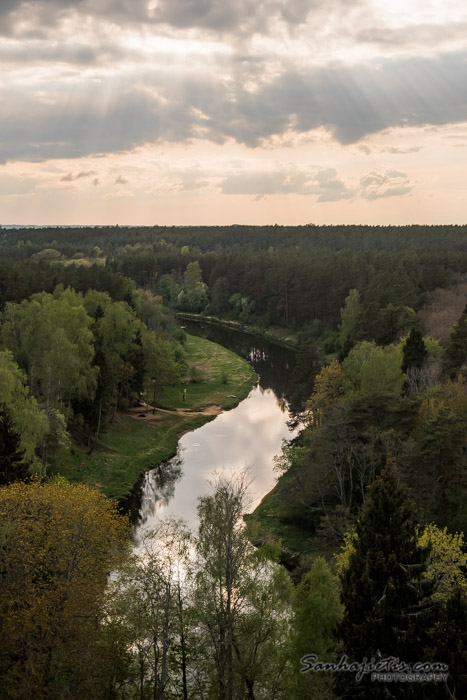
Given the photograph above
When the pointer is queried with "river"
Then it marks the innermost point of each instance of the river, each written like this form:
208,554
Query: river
249,435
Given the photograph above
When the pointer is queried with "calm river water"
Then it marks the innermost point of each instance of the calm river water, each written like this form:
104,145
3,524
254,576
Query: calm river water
249,435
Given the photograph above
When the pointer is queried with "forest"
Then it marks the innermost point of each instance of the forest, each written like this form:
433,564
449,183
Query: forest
359,551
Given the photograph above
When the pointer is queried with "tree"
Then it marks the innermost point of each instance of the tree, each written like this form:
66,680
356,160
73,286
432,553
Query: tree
23,424
119,345
51,339
351,315
327,390
370,370
440,433
387,611
162,369
240,601
456,352
303,375
151,311
148,604
58,544
12,466
194,295
394,321
414,351
451,642
317,611
446,563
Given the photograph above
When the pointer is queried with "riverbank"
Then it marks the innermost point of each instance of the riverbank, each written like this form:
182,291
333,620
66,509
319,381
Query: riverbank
139,439
281,336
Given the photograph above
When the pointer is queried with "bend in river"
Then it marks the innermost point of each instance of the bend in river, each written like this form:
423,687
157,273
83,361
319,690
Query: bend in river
249,435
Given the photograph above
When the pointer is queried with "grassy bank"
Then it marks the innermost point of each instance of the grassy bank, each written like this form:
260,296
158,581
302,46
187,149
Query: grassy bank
271,521
275,520
135,442
224,378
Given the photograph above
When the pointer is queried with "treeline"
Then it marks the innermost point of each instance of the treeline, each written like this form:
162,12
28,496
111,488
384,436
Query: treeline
69,239
20,279
296,277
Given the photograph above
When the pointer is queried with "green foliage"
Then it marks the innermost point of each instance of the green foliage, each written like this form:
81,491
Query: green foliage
351,315
161,368
21,417
373,370
445,564
317,611
440,434
147,610
242,603
193,297
51,339
387,612
197,375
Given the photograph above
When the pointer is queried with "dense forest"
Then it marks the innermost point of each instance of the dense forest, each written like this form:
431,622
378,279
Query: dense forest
375,482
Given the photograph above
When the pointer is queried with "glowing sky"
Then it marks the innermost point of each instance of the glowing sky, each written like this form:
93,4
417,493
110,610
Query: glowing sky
239,111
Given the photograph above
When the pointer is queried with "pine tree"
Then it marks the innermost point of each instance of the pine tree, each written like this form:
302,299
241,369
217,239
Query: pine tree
451,642
387,609
456,352
12,466
414,351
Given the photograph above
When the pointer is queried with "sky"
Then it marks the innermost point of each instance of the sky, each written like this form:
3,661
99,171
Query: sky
215,112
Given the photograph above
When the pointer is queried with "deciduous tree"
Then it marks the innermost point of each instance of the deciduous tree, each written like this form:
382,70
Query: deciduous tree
58,544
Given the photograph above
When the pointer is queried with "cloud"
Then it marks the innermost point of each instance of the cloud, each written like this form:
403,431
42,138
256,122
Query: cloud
113,114
241,16
120,180
422,34
221,16
71,178
323,183
392,183
401,151
44,51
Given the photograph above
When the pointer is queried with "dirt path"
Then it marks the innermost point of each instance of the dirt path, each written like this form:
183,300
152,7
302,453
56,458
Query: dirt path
146,412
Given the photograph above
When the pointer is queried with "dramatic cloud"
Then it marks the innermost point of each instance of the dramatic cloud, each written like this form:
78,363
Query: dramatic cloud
214,15
201,100
92,117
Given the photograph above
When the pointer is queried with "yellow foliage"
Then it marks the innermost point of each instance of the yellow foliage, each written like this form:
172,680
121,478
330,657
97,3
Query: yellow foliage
446,560
328,388
58,544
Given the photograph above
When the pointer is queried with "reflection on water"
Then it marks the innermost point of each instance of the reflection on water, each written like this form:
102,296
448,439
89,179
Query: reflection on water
249,435
157,489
